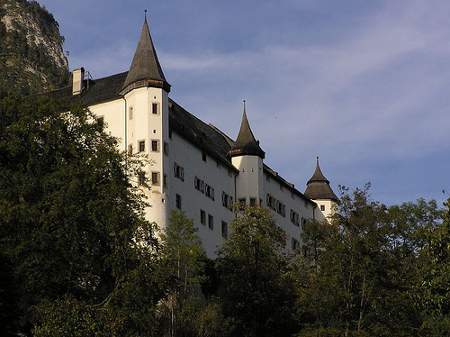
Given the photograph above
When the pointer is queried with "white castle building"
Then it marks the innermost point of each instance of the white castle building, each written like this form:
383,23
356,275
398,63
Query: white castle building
194,166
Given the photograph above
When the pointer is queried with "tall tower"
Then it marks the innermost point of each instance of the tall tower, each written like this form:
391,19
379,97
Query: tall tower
247,156
318,189
145,92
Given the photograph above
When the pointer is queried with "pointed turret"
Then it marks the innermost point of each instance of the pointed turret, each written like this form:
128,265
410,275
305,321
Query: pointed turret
145,70
246,144
318,187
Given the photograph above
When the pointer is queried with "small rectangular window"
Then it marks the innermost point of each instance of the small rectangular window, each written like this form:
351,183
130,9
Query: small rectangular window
203,156
224,229
155,145
155,108
130,149
142,146
178,201
202,217
130,113
141,179
322,208
101,121
155,178
165,181
210,221
166,148
253,202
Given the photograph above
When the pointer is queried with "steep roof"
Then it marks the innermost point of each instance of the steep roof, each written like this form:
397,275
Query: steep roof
145,69
318,187
246,143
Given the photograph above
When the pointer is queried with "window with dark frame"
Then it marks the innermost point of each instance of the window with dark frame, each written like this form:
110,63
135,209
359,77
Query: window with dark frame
155,178
155,108
141,179
178,201
141,145
155,145
322,208
224,229
101,121
210,221
202,217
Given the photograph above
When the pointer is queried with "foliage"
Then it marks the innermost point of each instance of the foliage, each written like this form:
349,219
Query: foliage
360,279
185,259
433,290
255,289
69,216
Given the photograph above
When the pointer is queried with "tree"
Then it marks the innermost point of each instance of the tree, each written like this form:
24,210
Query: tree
360,281
433,289
71,224
185,261
255,289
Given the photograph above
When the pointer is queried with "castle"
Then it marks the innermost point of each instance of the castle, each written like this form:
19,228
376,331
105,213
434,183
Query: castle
194,166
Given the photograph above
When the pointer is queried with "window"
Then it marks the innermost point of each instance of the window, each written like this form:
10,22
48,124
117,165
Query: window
303,223
178,201
280,208
130,113
202,217
142,146
241,203
227,200
130,149
203,156
170,133
155,178
322,208
204,188
155,108
270,201
253,202
100,121
141,179
295,218
178,171
209,191
166,148
224,229
295,244
155,145
165,181
210,221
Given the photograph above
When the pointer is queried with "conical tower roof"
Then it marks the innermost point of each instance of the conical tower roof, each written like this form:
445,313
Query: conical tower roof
318,187
145,70
246,144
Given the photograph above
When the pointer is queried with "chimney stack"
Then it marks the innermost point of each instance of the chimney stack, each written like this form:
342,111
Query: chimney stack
78,81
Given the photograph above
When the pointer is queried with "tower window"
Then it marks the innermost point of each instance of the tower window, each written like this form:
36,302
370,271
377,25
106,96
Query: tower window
155,145
155,108
142,146
130,114
322,208
155,178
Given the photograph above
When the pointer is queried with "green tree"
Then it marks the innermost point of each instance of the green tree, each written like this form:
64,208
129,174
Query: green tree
360,281
255,288
433,290
70,221
185,261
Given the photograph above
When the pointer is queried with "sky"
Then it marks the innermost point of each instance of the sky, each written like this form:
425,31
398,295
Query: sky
364,85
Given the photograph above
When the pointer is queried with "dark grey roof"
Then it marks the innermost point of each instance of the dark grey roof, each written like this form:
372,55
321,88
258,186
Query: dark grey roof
246,143
145,69
318,187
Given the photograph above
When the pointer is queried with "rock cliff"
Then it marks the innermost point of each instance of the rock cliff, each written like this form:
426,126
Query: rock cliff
31,53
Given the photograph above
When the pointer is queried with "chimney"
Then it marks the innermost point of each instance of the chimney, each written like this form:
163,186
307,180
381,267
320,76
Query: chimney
78,81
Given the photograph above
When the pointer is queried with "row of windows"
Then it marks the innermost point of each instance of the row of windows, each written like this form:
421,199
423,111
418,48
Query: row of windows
204,188
224,225
142,146
155,180
178,171
276,205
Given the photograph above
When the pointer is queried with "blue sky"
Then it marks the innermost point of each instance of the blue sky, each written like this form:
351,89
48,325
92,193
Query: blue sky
364,85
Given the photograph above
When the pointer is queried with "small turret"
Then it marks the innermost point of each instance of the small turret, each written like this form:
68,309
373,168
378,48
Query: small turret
318,187
246,144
